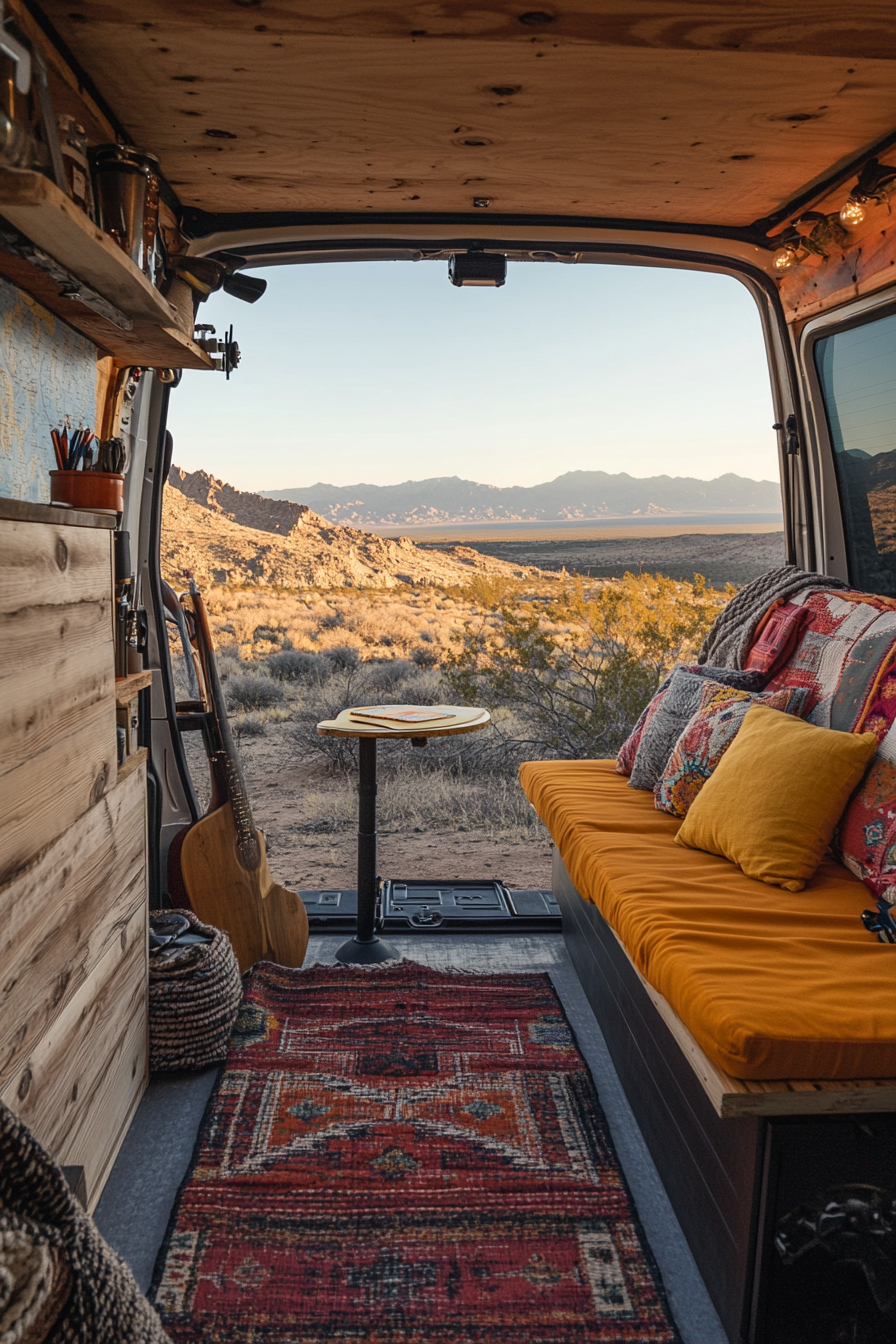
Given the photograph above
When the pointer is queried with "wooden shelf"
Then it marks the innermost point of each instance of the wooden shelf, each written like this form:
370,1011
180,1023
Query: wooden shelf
140,327
127,687
132,762
25,511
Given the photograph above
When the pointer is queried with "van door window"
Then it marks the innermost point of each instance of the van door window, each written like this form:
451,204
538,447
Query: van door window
857,371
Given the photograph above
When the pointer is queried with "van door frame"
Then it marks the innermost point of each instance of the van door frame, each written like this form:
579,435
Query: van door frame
177,802
825,489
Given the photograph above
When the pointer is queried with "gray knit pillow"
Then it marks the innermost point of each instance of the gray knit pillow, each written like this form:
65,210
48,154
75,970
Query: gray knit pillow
670,718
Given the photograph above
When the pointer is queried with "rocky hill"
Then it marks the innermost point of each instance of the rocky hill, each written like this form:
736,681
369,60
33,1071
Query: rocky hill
229,536
574,495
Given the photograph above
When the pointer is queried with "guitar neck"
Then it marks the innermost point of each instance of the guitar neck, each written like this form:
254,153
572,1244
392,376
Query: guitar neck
225,763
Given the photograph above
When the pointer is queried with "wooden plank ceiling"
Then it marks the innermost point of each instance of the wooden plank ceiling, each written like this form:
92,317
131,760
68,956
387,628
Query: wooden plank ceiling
709,111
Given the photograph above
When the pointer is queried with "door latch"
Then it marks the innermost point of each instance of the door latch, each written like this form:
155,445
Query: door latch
792,442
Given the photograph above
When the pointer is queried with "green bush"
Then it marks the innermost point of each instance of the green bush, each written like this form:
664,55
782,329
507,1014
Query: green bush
576,672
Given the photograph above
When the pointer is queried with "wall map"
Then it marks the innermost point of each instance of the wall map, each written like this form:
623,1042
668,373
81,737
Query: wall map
47,371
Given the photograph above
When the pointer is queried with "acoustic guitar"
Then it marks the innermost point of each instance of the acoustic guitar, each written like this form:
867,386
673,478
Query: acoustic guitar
223,862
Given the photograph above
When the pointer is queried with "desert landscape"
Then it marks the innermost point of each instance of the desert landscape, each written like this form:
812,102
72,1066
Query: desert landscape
310,616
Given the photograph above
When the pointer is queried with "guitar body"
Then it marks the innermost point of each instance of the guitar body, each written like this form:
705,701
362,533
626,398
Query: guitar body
264,921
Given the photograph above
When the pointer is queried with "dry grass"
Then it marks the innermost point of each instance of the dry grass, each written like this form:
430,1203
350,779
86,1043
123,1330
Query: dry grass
289,659
416,623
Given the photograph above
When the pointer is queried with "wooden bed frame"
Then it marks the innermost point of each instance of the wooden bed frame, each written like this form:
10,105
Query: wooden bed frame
736,1157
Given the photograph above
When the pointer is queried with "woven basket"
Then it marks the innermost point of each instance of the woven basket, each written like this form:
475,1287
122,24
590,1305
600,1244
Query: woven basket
77,1287
194,998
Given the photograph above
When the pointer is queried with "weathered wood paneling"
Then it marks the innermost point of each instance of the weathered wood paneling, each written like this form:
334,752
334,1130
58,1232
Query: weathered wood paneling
83,1078
868,265
53,666
57,706
60,916
49,566
48,793
73,908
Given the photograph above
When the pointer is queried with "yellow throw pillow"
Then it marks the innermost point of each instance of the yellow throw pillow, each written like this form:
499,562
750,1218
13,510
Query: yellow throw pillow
774,799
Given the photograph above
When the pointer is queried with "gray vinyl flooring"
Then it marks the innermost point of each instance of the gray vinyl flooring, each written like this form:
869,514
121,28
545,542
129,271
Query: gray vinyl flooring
137,1202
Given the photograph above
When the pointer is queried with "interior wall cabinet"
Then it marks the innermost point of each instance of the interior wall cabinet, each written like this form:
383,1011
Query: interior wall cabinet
73,867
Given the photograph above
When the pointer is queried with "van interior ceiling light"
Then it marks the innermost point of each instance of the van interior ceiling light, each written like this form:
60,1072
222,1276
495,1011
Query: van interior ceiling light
876,182
786,256
477,268
813,234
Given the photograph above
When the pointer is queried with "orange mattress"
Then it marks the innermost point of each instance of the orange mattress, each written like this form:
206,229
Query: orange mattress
772,984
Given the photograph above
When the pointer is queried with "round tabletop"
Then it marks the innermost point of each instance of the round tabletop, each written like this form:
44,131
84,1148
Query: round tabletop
375,721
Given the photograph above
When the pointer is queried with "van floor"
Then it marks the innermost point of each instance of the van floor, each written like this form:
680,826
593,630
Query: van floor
137,1202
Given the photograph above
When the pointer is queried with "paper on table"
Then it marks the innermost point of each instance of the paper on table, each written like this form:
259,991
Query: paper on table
403,713
457,717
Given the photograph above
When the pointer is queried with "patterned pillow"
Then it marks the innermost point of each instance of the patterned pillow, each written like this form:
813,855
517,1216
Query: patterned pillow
706,739
728,676
865,840
669,713
842,653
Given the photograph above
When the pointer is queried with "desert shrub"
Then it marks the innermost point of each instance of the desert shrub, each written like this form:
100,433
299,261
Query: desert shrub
293,665
577,671
229,667
248,691
387,674
248,725
343,656
267,633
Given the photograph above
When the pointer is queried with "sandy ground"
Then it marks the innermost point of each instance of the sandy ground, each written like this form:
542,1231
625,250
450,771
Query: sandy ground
305,857
310,863
731,557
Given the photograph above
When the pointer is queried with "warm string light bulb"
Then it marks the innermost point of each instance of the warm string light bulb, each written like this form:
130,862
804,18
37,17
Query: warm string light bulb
852,214
785,257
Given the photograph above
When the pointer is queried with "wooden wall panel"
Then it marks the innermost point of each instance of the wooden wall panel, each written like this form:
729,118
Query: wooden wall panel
82,1081
62,914
869,265
57,708
53,566
36,663
47,794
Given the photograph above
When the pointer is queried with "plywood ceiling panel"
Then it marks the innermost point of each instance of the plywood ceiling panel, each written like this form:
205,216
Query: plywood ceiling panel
713,112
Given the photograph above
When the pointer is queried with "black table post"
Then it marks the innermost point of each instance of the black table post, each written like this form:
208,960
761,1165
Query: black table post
366,947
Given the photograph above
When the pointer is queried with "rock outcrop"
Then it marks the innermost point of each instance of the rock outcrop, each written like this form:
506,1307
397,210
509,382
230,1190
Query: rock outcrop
228,536
240,506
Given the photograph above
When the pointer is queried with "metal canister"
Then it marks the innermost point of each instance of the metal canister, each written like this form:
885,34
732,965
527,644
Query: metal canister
126,186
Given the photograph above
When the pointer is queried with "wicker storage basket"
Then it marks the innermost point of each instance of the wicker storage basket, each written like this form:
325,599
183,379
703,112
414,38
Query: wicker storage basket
194,998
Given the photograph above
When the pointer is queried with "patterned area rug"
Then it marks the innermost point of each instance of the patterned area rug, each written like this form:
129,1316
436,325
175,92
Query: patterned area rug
398,1156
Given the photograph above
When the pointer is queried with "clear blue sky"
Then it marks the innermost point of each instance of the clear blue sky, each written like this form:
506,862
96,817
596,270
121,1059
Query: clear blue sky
382,372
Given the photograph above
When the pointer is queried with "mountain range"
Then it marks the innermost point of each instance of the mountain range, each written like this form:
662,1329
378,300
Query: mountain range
574,495
228,536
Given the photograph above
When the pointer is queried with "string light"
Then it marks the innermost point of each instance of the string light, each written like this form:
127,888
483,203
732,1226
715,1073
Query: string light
876,182
852,214
785,257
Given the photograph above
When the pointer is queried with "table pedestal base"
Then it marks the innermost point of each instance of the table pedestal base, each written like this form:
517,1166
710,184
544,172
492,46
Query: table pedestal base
365,951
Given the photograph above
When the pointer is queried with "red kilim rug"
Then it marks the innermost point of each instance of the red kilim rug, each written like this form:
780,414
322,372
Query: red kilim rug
402,1156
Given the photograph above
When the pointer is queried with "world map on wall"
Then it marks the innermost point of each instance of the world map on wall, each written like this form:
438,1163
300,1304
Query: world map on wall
47,373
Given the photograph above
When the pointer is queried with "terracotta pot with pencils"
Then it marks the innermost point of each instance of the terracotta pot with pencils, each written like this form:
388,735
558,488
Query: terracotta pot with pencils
89,474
